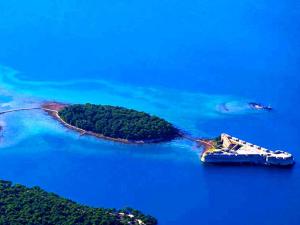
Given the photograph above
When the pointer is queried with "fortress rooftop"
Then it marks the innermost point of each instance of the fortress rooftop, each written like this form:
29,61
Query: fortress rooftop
229,149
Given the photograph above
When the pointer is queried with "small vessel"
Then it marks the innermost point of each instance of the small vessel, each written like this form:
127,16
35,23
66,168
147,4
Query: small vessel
230,150
258,106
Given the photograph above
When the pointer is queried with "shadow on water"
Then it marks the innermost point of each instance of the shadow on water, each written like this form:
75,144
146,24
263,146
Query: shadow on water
211,168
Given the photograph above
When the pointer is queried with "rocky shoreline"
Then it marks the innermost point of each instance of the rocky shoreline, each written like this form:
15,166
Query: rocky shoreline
52,108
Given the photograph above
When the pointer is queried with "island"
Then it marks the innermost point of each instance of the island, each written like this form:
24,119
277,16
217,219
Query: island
22,205
113,123
133,127
231,150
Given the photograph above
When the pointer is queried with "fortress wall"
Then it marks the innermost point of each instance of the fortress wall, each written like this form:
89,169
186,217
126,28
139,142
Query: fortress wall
271,160
223,158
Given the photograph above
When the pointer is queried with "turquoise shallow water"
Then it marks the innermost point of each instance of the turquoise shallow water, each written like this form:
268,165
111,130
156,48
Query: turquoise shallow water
178,60
166,180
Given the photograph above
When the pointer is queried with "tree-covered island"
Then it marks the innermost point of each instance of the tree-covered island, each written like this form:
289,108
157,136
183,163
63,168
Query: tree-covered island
21,205
118,123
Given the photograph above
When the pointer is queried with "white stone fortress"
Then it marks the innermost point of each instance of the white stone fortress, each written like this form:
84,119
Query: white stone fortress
233,150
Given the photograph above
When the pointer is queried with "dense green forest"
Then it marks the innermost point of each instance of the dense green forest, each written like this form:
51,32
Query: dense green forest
118,122
33,206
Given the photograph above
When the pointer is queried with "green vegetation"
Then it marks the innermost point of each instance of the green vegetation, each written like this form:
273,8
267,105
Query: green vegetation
118,122
21,205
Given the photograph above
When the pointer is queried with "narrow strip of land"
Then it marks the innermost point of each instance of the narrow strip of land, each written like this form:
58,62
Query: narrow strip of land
20,109
55,114
205,142
24,109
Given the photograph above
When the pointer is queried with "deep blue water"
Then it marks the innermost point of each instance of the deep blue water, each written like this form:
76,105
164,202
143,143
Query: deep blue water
176,59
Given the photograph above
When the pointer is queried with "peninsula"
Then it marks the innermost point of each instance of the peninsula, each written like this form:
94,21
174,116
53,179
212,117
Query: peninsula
22,205
113,123
227,149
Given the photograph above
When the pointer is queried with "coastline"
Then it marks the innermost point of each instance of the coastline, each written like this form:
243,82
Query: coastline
53,108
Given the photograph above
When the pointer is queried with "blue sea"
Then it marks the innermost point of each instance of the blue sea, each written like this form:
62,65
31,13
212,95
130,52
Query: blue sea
181,60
